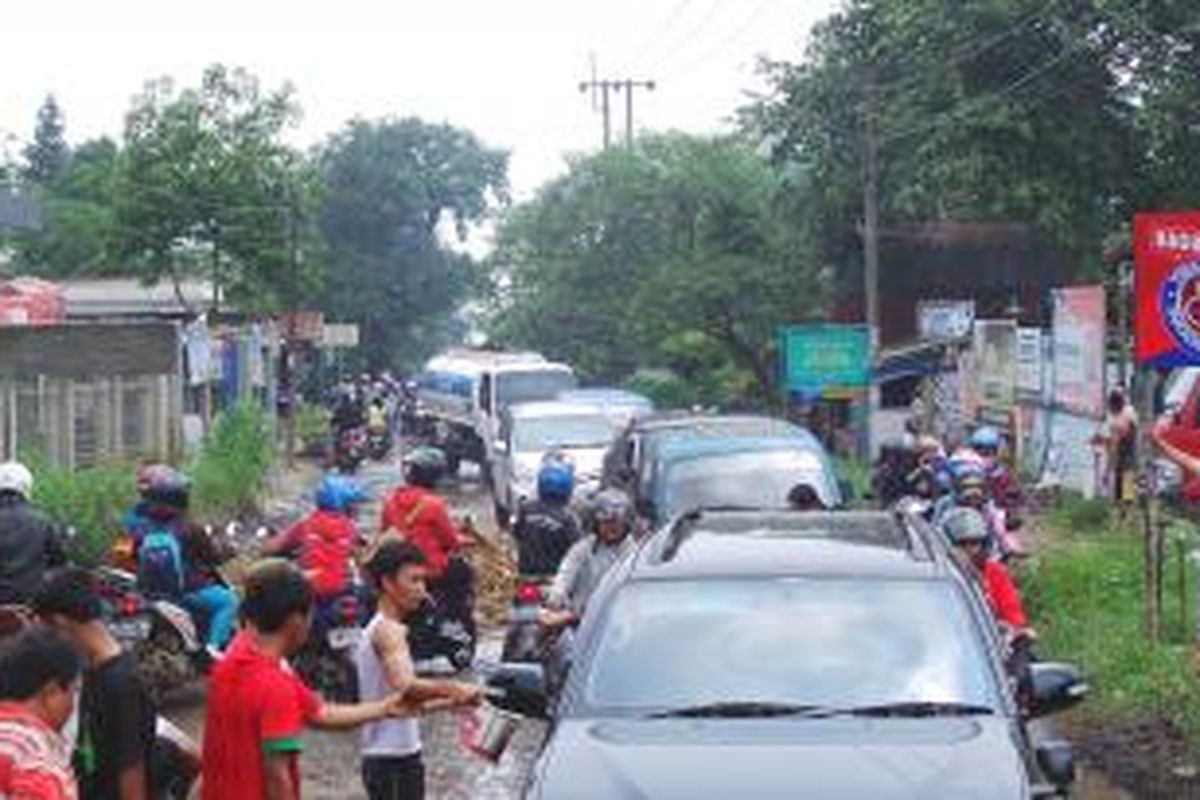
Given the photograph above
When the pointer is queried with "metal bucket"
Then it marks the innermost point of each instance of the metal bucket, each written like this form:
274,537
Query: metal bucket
487,730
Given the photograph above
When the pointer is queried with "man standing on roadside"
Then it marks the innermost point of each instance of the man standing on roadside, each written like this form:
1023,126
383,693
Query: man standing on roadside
39,671
392,768
117,718
257,707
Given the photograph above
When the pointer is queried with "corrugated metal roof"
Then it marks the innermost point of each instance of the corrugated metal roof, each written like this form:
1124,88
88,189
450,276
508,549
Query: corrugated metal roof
125,297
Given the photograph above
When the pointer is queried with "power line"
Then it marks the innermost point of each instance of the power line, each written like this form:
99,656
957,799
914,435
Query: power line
656,33
737,33
681,40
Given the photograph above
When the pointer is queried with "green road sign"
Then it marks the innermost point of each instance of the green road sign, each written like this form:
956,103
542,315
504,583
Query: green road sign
822,358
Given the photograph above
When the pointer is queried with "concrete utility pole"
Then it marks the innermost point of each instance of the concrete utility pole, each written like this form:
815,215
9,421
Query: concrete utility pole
871,258
604,87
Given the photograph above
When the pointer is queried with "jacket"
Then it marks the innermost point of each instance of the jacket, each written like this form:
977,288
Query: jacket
30,543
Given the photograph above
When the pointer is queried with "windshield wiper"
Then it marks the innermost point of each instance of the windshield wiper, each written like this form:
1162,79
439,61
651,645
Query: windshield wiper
918,708
739,708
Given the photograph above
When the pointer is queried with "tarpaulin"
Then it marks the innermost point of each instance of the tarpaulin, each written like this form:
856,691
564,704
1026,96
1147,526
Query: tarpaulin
1166,251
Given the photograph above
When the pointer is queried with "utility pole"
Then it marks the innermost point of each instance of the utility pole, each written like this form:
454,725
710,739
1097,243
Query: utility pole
871,257
606,86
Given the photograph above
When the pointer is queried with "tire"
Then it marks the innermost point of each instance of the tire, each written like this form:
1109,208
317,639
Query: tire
453,463
163,662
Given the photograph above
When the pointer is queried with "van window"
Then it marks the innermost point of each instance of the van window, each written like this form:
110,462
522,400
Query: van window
524,387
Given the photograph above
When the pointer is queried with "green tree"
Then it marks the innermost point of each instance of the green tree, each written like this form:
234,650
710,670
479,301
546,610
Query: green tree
205,185
393,193
47,155
675,253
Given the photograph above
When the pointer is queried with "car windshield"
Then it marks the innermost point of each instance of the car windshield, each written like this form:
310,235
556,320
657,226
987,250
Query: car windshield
837,643
538,434
523,387
759,479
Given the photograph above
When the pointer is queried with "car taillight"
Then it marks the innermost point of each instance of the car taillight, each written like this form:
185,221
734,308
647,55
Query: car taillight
129,606
529,593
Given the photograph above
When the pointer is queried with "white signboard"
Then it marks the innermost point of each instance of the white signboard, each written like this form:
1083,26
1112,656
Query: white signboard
945,319
1029,361
340,335
995,358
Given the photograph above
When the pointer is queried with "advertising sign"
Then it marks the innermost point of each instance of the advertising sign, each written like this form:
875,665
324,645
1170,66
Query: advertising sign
342,334
945,319
996,357
1077,354
1166,253
825,358
1029,362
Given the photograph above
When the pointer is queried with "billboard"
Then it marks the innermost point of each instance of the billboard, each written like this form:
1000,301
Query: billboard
945,319
1077,353
824,358
995,361
1166,253
1029,362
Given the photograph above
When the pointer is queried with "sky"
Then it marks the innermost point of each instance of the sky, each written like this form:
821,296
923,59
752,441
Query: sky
507,69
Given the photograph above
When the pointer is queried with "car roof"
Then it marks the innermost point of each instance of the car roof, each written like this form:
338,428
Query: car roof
694,447
616,397
554,408
670,420
741,544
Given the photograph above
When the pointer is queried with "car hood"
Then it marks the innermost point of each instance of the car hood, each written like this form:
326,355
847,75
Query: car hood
842,759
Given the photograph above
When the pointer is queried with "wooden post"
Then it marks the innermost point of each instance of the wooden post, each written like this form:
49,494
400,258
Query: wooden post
1152,531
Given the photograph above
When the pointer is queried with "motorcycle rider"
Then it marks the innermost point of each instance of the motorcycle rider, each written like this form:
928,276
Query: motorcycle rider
546,528
970,489
178,561
30,543
325,540
416,513
611,520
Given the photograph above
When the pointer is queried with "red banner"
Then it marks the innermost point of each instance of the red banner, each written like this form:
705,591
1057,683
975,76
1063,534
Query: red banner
1166,253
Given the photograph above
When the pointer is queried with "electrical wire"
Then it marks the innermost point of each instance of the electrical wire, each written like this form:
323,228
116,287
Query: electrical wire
678,43
721,46
657,32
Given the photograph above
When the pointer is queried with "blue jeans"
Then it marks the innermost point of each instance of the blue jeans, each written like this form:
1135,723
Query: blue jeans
219,606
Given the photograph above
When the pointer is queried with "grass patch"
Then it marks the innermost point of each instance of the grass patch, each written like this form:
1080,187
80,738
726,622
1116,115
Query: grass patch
1084,591
855,472
229,472
91,501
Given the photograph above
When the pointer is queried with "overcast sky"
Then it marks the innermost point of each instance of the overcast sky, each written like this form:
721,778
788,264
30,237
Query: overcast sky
507,69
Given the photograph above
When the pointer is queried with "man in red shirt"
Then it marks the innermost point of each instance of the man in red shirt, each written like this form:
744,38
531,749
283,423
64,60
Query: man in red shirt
257,707
39,672
324,541
968,533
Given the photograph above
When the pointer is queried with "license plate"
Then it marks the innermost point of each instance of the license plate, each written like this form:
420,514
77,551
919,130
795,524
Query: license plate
523,613
341,638
131,630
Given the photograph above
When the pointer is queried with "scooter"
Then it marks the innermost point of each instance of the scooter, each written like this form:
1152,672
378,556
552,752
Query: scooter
326,661
524,640
351,449
444,625
378,444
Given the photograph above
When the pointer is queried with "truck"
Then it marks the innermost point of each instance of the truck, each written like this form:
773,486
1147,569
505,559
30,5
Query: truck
462,393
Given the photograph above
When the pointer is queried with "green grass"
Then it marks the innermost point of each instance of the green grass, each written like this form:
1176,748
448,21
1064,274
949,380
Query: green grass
855,472
1084,591
92,501
229,472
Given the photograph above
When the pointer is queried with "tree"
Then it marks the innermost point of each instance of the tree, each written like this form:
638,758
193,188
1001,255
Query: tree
205,185
47,155
675,253
393,193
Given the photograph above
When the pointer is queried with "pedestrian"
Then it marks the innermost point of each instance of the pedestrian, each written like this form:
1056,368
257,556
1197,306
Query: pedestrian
257,707
115,747
29,542
1119,437
39,675
392,767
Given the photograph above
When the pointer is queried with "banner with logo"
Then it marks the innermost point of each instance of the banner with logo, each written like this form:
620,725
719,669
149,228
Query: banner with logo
1077,354
1166,253
996,356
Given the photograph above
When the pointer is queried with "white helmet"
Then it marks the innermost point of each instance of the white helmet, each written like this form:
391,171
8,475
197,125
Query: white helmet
16,477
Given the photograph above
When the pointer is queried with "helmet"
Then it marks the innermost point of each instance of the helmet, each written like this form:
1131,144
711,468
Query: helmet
337,493
970,482
147,474
555,482
424,466
985,438
168,488
608,505
964,525
15,477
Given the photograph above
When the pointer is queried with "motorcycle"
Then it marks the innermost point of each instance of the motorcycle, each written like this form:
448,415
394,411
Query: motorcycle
160,632
444,626
378,445
351,449
523,640
326,661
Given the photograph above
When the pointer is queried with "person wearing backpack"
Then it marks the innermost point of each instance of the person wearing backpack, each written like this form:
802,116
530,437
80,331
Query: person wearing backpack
178,561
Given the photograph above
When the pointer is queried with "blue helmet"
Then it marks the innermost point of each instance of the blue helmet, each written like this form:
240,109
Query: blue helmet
985,438
338,493
555,482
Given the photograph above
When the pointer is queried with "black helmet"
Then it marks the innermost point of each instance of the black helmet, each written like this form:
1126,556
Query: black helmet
424,466
168,488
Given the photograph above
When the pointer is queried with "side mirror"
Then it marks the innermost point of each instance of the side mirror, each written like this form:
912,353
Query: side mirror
1056,760
520,688
1054,688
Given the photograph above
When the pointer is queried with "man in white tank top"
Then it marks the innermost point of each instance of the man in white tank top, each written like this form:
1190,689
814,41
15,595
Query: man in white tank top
391,750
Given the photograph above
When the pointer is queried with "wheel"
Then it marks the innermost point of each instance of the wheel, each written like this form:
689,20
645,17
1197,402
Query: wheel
163,662
453,463
462,657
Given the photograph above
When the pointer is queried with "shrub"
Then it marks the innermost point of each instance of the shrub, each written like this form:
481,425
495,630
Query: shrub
229,471
312,427
91,501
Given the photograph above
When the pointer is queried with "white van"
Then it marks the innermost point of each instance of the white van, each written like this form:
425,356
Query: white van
461,394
